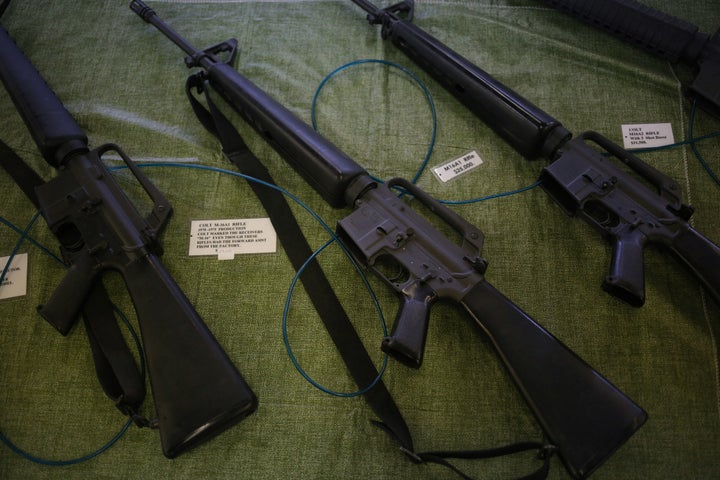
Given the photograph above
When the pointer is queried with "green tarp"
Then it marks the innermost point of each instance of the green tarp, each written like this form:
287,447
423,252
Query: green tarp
123,82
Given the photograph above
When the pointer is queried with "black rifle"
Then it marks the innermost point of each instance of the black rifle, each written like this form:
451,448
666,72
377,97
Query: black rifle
580,179
662,35
581,412
197,390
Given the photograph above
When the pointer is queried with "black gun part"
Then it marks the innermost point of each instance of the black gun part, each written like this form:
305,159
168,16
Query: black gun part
581,179
197,390
660,34
581,412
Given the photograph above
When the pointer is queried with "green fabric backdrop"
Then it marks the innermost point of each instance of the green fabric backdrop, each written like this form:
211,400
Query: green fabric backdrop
123,82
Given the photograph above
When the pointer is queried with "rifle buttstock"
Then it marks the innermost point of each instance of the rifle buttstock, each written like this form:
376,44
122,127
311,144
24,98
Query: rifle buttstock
198,392
701,256
583,414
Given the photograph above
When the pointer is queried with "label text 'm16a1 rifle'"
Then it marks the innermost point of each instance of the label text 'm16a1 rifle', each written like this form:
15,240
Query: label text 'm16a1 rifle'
582,414
579,178
197,390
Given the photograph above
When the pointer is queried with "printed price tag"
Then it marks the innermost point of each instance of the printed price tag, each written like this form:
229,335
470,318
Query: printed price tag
647,135
458,166
15,282
226,238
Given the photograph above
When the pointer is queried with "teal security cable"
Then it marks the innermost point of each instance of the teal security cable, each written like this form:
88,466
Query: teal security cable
415,78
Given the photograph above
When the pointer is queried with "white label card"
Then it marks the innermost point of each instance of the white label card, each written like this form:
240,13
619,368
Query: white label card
15,282
647,135
226,238
458,166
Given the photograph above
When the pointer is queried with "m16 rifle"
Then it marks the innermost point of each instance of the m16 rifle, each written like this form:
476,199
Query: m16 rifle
197,390
583,181
583,414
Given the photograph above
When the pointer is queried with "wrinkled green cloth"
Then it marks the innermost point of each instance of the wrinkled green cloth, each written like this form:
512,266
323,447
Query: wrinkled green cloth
123,82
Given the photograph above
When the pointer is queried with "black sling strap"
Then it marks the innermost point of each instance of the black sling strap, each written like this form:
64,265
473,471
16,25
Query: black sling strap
115,365
326,303
545,452
298,250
